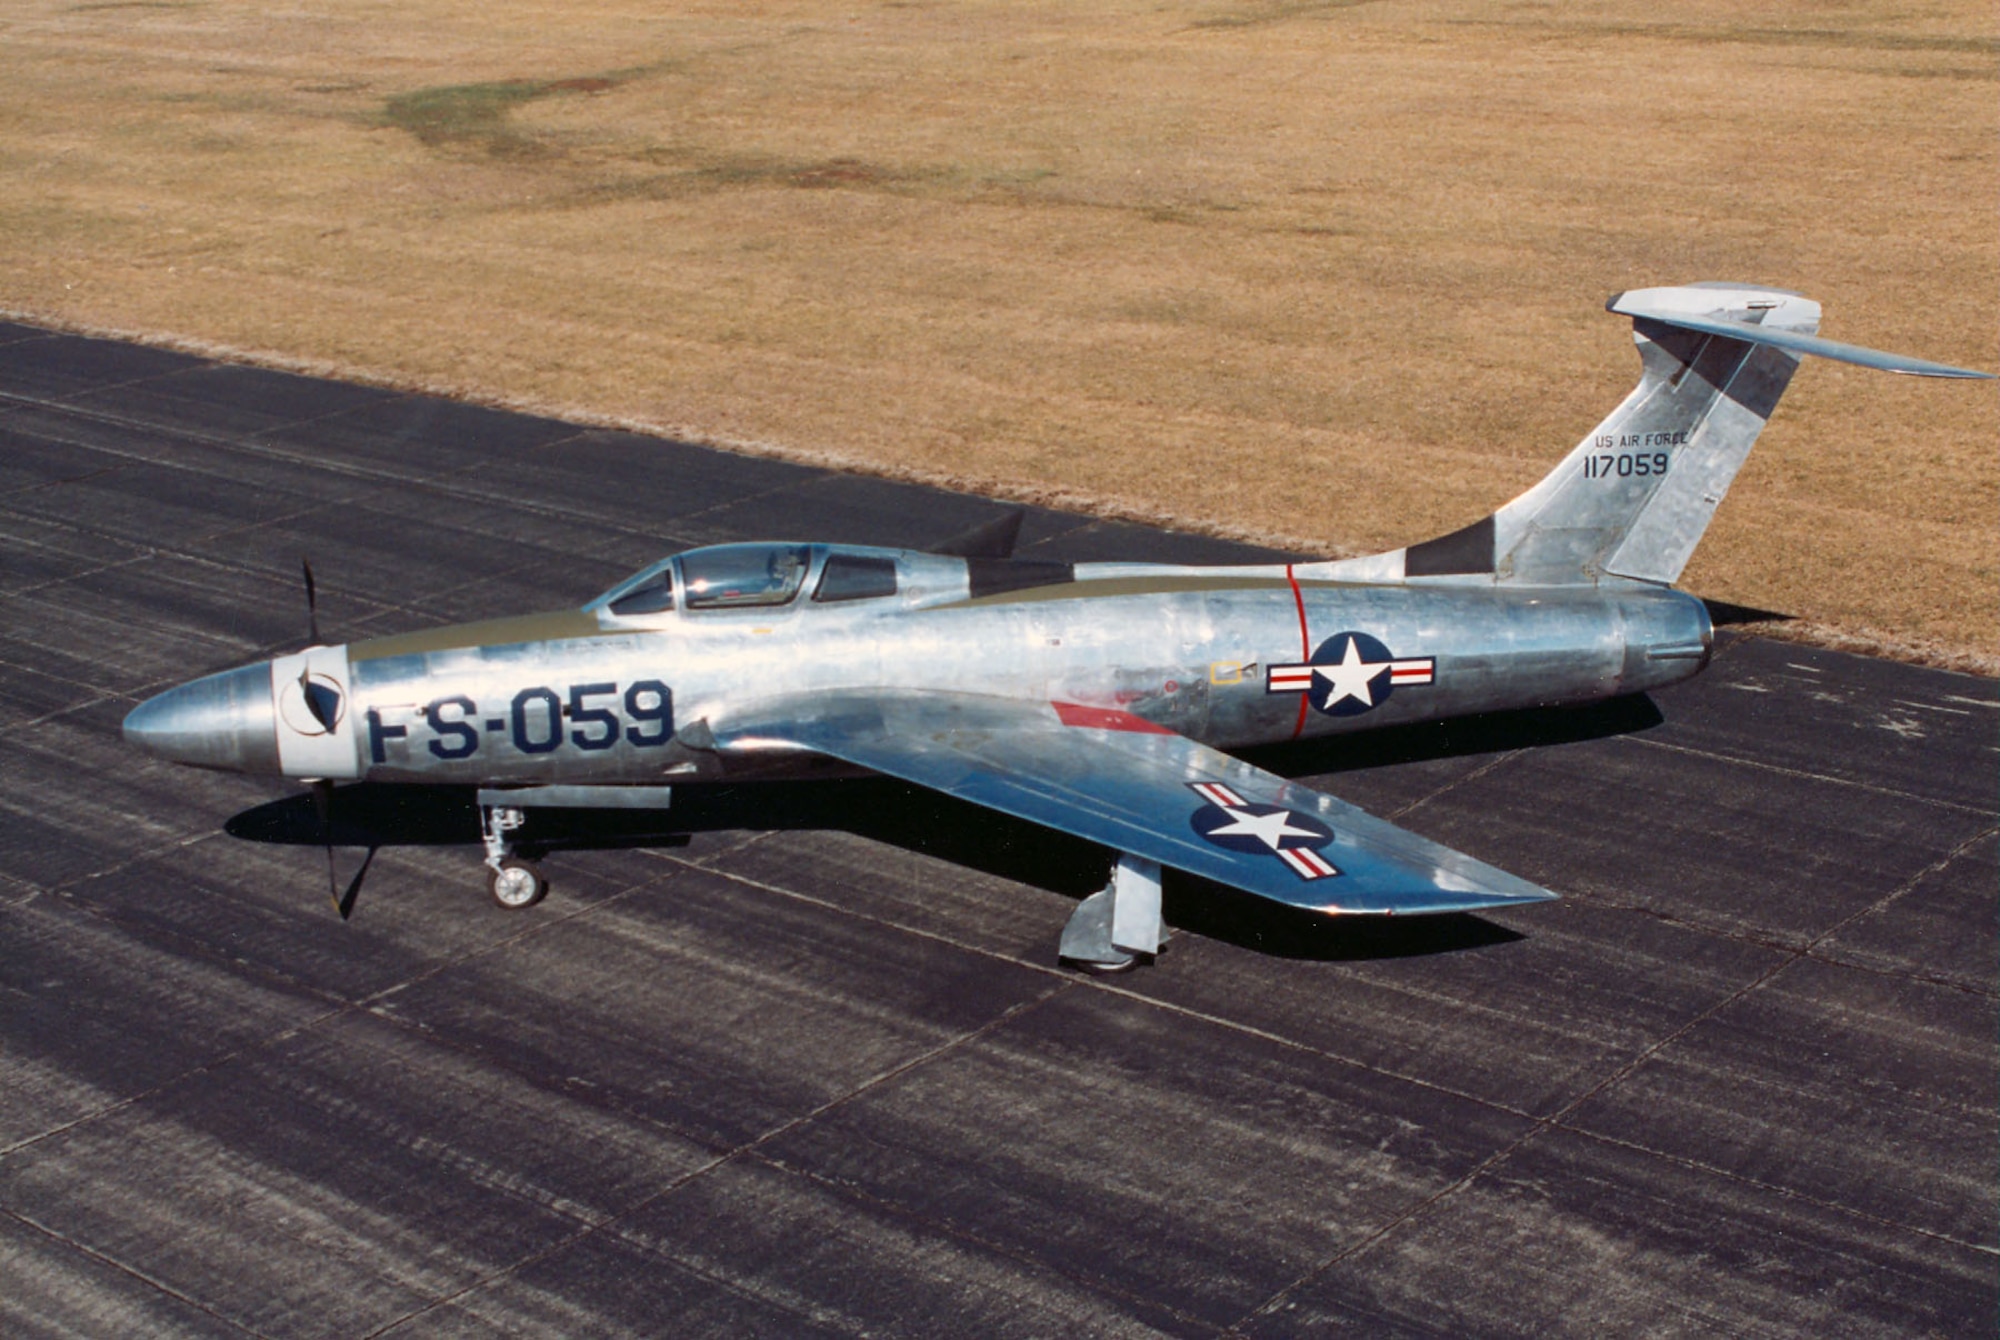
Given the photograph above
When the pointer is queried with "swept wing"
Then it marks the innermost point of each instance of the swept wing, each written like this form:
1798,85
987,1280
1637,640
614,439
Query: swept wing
1114,778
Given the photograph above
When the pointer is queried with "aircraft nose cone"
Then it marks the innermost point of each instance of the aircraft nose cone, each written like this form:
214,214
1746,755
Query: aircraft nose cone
222,721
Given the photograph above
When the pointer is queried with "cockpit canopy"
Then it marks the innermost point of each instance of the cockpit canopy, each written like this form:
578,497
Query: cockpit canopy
730,576
738,576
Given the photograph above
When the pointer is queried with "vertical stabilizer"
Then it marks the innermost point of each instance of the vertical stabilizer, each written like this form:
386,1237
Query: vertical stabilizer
1634,497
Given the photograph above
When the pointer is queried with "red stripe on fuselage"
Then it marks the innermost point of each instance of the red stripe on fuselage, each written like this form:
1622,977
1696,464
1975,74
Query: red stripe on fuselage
1305,648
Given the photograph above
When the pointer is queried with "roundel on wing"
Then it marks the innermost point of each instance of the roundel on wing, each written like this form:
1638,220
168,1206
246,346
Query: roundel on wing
1251,827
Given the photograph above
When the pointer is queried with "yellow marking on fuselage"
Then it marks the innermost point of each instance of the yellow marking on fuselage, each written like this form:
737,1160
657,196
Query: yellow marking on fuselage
555,626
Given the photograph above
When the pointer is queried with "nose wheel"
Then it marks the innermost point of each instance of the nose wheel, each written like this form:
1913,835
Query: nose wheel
513,881
516,883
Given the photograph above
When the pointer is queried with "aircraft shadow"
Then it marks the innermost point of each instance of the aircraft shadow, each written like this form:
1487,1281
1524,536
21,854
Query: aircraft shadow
1723,614
1458,737
379,814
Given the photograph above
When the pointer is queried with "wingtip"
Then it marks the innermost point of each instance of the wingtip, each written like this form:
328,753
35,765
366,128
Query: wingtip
1435,902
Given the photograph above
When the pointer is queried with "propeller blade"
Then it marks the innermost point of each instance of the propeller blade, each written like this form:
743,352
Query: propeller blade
322,794
333,884
312,601
345,903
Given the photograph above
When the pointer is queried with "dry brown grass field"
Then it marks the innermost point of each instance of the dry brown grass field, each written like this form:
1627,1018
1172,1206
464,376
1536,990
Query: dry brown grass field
1326,273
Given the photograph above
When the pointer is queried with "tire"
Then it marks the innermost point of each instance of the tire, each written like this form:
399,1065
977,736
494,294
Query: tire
516,884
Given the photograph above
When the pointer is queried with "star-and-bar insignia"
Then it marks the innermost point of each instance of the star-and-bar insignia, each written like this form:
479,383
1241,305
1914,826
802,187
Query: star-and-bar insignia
1349,673
1231,822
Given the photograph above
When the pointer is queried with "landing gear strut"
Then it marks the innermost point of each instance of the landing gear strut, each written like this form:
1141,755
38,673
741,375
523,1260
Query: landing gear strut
1114,927
513,881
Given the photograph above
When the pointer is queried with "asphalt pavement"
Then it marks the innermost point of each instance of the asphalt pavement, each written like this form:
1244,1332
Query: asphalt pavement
799,1059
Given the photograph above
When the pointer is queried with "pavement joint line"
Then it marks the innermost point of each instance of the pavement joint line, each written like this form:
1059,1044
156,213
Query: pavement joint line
101,690
1102,984
272,436
130,1272
1789,1193
47,484
1922,978
609,1223
72,885
334,1005
378,609
706,861
819,471
213,1063
416,608
536,928
195,559
184,549
30,722
1472,776
1498,1156
250,445
1722,932
269,974
100,569
57,437
62,403
287,582
965,1233
245,444
314,507
753,1150
208,638
337,1010
758,495
1802,774
335,585
1561,1116
1894,895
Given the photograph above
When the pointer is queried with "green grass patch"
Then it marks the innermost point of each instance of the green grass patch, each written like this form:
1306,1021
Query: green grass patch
470,116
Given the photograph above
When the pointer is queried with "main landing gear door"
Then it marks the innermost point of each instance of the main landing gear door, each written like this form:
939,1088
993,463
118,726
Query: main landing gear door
1110,929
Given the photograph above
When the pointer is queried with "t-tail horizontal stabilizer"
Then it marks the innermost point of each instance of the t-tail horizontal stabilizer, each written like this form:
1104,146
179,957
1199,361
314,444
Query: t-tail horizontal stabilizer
1633,499
1636,304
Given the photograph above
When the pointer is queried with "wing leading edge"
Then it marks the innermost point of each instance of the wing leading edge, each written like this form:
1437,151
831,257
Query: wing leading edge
1115,779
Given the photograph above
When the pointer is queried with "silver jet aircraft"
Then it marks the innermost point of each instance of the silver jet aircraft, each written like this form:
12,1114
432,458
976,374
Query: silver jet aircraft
1095,698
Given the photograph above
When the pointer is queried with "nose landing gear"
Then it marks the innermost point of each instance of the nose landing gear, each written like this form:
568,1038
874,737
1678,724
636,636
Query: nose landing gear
514,881
513,878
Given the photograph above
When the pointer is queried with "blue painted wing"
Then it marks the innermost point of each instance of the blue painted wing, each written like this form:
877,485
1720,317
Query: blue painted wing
1114,779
